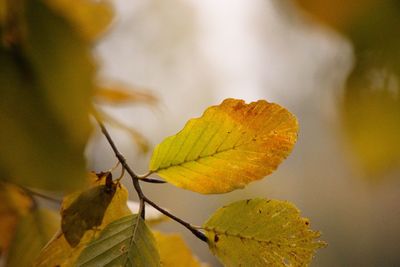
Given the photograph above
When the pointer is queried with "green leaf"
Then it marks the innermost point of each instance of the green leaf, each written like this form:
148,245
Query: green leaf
32,234
261,232
125,242
231,145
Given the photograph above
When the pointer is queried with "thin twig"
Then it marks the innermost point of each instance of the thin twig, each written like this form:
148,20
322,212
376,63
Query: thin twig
142,197
191,228
152,180
34,193
121,158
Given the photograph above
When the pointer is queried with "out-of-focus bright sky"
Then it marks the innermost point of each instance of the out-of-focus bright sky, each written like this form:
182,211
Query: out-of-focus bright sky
193,54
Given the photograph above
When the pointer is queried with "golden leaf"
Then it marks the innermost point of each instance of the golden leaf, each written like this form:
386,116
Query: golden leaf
174,252
230,146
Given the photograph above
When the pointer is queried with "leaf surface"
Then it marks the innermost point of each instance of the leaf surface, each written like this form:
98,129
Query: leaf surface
228,147
261,232
125,242
174,252
33,233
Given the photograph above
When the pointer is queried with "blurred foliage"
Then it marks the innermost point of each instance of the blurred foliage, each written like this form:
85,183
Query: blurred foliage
174,251
371,104
14,204
32,234
47,79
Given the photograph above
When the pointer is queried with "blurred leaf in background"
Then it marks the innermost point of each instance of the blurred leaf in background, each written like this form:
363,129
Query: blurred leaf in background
32,234
14,204
371,104
47,81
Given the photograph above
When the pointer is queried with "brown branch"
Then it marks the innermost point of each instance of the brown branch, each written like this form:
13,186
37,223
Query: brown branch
138,189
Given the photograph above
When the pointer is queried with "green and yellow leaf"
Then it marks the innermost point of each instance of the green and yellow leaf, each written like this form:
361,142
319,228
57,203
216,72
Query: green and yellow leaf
125,242
59,252
174,252
14,203
32,234
228,147
259,232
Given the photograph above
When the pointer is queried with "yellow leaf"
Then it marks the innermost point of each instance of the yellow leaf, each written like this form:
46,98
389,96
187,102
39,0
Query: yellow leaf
90,18
174,251
33,232
259,232
59,253
230,146
14,203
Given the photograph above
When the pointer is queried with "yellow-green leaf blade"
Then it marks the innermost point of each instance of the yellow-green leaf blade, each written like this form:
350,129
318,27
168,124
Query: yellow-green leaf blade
231,145
261,232
125,242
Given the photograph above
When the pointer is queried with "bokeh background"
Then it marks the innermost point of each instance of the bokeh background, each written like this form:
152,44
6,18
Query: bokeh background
334,64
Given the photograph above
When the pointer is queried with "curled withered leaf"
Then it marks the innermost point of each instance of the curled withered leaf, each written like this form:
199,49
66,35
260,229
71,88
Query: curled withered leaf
87,210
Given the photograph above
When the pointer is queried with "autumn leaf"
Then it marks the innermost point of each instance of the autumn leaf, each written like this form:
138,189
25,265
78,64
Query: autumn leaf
174,251
87,210
259,232
59,252
14,204
125,242
32,234
230,146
